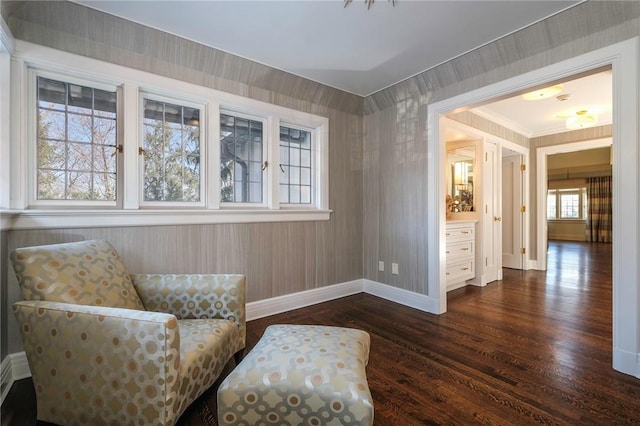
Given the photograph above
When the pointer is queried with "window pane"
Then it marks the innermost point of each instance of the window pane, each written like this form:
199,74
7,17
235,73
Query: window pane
551,205
79,158
295,160
172,152
241,159
76,142
569,206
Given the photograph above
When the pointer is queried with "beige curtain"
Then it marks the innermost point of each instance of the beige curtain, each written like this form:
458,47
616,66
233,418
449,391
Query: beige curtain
599,209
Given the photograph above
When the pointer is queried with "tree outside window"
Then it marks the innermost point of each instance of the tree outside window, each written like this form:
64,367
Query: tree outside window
76,142
171,152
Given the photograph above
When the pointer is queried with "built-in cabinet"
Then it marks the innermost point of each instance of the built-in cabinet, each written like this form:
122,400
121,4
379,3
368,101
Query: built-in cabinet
461,252
477,193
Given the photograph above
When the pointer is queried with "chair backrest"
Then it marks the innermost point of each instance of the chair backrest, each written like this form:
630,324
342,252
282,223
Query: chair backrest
84,273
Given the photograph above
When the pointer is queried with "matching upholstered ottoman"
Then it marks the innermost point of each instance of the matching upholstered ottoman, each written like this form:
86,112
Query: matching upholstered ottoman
300,375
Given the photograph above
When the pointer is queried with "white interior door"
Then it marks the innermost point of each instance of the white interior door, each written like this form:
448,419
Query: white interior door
512,214
491,220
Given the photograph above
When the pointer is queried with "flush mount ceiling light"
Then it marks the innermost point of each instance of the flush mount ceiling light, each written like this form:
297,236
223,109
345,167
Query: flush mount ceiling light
544,93
581,120
369,3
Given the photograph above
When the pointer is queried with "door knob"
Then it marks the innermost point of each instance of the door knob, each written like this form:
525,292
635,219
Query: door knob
497,218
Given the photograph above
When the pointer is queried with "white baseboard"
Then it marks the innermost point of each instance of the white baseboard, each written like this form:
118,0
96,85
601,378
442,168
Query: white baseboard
15,366
288,302
400,296
534,264
5,378
626,362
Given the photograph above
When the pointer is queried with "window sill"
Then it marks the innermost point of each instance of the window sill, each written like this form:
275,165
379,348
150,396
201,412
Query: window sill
42,219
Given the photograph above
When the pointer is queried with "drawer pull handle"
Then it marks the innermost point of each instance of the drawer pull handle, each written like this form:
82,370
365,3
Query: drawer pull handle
465,232
448,234
447,273
465,269
448,252
464,248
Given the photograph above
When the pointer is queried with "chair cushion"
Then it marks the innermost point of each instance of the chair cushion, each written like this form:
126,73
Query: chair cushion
85,273
205,347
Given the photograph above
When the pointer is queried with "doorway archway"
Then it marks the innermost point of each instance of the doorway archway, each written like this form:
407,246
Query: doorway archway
623,59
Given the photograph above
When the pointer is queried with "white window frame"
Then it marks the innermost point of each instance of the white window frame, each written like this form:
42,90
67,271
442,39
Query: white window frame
7,44
32,135
128,210
580,192
203,152
315,164
266,141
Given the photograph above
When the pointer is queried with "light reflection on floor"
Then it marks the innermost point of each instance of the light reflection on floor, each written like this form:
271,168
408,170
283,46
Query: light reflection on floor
569,280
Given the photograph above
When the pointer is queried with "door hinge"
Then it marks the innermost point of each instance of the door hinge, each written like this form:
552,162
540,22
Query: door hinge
486,156
523,250
523,209
523,167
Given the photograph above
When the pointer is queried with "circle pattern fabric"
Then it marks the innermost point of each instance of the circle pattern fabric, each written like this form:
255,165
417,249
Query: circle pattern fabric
300,374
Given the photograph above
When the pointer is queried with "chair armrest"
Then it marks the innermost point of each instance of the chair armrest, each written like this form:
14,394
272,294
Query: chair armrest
95,362
221,296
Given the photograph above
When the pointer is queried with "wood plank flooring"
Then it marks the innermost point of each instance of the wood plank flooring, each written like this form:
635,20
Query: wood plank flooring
534,348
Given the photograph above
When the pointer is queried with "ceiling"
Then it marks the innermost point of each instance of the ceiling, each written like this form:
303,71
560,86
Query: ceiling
592,93
351,48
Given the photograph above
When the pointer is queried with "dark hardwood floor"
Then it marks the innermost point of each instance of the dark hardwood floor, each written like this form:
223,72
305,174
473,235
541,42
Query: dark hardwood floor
534,348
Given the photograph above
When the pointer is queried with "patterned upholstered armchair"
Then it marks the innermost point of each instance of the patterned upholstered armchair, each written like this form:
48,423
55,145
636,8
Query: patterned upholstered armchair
108,347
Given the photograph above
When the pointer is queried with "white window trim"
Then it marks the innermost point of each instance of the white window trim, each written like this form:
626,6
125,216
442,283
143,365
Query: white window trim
267,122
24,214
580,192
315,163
7,45
31,132
203,152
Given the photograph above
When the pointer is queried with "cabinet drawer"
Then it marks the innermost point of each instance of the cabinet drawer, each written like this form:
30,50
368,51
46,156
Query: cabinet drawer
457,234
461,271
459,250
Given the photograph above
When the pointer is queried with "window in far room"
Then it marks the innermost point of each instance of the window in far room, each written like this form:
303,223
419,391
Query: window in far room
570,204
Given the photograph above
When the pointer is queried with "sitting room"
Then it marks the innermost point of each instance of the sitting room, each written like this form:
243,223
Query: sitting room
259,189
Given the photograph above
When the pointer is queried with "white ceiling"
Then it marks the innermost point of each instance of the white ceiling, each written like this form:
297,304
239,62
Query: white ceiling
548,116
352,48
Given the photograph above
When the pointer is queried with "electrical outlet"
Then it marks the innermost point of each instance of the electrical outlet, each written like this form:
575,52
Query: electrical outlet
381,266
394,268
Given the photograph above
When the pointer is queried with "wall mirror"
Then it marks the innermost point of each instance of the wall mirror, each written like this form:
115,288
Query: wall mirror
461,163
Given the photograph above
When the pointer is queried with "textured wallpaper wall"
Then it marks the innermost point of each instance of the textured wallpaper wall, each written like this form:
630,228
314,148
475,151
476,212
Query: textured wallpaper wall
378,158
279,258
394,158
